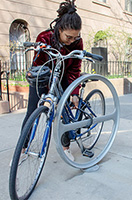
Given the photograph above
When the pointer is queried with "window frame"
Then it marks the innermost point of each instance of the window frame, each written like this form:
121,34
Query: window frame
103,1
128,5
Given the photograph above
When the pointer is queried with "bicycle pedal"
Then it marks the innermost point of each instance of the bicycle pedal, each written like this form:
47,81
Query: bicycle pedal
88,153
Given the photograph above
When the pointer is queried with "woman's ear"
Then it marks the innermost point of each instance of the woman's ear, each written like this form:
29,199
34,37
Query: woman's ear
60,30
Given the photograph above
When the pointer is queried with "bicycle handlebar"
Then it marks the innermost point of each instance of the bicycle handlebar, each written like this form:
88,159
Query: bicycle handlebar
91,55
80,54
31,44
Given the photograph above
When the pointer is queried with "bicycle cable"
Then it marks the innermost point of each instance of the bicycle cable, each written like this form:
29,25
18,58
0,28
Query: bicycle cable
52,70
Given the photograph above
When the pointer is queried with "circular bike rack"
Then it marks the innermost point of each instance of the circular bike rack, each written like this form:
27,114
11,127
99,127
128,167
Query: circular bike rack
107,136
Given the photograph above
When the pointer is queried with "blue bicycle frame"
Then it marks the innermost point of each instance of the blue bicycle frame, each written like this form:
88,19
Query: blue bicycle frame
68,116
46,132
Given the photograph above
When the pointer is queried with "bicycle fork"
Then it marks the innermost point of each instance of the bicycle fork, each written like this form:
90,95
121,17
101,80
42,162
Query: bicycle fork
46,133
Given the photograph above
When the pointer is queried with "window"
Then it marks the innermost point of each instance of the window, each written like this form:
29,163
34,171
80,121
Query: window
102,1
128,5
18,34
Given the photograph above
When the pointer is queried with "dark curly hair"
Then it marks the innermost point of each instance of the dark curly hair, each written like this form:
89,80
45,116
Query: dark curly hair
67,18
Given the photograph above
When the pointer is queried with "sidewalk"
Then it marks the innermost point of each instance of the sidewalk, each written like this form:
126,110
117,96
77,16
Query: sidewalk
112,181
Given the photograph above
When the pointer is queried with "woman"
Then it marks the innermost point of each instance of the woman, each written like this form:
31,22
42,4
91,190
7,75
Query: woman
65,37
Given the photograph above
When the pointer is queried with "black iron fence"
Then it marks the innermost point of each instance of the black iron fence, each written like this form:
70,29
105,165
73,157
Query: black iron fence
109,69
17,72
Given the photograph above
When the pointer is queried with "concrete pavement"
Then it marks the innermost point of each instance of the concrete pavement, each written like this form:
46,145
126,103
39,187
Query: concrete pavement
112,181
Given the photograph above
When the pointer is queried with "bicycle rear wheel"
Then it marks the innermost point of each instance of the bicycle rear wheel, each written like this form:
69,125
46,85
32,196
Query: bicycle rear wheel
26,169
92,135
96,101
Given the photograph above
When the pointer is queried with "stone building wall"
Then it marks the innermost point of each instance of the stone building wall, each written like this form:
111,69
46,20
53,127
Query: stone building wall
38,14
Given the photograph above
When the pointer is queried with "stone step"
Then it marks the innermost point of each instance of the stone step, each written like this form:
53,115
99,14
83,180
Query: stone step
4,107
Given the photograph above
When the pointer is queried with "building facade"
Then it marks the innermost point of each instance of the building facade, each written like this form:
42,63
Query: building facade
23,20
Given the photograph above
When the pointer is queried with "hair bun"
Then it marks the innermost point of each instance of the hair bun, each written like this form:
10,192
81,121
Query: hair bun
72,10
66,7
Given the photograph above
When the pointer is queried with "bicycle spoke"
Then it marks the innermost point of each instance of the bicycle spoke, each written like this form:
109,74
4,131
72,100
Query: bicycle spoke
26,169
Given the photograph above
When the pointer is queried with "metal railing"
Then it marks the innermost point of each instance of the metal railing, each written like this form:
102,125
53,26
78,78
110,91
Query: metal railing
17,72
4,75
110,68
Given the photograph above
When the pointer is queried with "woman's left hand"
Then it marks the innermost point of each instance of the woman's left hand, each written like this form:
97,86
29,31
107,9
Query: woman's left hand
75,100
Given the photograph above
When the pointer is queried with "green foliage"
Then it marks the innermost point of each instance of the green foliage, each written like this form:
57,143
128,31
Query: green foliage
101,35
18,76
19,84
114,76
117,76
117,41
129,41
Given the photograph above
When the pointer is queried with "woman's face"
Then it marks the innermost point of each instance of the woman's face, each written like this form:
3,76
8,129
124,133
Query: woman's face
69,36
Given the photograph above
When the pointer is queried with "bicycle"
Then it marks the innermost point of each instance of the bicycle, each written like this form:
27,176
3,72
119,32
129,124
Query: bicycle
91,126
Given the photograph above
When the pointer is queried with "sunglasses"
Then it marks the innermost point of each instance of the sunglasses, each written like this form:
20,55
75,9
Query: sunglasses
72,38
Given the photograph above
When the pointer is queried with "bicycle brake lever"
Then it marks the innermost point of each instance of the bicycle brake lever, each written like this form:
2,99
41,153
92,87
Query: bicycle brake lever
30,49
79,56
90,60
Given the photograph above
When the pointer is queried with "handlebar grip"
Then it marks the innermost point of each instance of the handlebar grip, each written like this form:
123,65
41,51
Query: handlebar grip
28,44
31,44
34,44
94,56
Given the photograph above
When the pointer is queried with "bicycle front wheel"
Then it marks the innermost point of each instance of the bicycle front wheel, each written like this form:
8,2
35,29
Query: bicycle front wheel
91,128
26,168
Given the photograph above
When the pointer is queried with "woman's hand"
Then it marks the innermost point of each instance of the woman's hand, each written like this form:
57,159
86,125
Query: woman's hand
75,100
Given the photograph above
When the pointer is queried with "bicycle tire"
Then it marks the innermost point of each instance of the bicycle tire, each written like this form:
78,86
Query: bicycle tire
20,174
110,122
99,109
